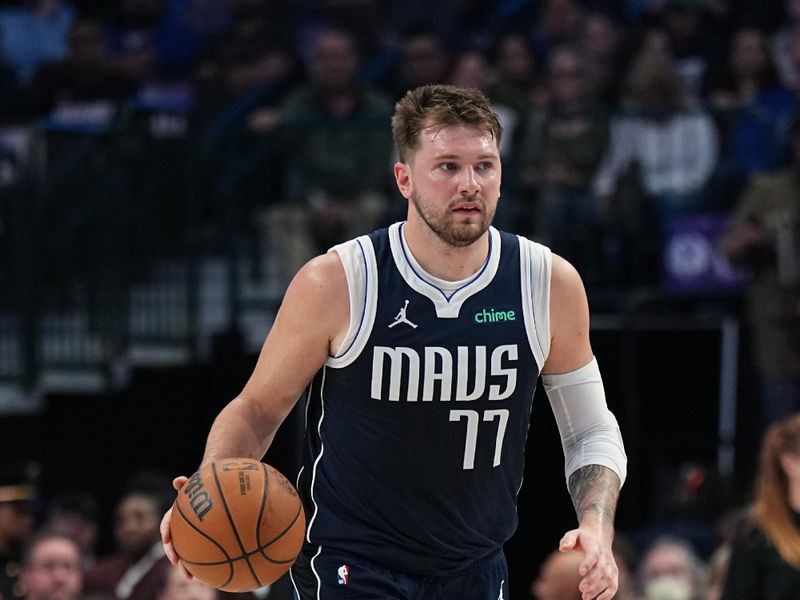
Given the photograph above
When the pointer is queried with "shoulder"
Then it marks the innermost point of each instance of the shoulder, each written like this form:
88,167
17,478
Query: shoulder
315,308
566,285
320,279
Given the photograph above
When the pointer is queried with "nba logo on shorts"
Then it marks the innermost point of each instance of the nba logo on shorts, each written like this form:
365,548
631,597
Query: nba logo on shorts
343,574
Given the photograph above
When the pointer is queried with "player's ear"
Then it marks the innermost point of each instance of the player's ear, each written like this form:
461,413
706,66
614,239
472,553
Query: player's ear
402,175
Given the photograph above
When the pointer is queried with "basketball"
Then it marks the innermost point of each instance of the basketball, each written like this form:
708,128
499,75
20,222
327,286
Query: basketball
237,525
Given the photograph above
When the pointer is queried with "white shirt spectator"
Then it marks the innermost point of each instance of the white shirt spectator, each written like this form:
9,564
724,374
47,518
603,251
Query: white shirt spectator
676,155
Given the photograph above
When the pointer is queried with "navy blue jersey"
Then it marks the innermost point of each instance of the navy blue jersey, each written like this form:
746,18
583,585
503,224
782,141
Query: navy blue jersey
416,430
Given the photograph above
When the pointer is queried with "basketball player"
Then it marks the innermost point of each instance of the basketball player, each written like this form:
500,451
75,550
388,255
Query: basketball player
419,348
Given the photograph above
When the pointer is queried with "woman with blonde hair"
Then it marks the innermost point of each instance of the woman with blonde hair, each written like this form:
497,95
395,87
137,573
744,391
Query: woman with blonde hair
765,552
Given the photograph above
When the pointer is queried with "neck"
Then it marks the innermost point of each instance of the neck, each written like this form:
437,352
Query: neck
440,259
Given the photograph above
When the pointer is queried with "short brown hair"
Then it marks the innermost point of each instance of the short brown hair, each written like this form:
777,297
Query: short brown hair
440,105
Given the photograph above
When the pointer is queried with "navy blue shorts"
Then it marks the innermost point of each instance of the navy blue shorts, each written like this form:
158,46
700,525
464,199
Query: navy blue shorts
326,575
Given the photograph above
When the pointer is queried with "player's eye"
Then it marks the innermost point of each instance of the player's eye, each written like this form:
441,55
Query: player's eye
448,166
485,166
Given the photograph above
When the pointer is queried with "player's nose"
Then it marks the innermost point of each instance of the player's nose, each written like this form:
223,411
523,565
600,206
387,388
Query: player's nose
468,182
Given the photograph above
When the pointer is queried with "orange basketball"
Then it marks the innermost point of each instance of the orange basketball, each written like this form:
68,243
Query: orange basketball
238,524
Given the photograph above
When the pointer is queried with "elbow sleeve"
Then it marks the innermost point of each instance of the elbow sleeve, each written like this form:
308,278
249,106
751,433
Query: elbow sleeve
589,431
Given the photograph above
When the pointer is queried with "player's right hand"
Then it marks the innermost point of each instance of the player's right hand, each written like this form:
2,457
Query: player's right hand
166,536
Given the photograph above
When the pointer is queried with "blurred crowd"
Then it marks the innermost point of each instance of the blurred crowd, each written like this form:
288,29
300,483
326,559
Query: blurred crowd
701,542
51,548
619,114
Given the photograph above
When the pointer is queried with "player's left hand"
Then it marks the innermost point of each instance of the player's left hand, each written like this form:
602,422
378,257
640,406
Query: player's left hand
600,576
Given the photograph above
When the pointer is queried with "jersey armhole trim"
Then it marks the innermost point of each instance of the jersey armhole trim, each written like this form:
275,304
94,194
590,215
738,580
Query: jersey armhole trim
535,267
361,271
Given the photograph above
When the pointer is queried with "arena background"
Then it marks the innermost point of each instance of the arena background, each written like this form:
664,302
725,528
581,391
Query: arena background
135,290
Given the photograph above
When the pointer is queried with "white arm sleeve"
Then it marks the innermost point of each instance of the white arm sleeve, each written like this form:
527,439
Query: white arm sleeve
589,431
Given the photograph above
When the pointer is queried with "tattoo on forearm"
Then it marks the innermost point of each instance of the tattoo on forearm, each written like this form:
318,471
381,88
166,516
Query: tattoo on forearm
594,488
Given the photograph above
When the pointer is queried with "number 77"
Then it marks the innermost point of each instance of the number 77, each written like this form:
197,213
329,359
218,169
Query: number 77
473,418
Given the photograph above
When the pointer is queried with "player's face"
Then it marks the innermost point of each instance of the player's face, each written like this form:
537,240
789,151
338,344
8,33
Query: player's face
453,182
54,572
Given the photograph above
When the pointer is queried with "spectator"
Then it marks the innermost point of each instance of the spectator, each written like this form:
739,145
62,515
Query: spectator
178,587
784,45
674,143
133,571
161,39
175,585
765,550
51,568
672,570
425,57
74,514
600,41
34,33
240,81
560,151
337,147
130,37
515,67
86,77
764,236
253,52
661,155
18,496
558,577
559,23
693,41
752,106
790,60
444,17
367,20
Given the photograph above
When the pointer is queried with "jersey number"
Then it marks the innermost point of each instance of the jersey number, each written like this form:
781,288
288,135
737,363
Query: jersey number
473,418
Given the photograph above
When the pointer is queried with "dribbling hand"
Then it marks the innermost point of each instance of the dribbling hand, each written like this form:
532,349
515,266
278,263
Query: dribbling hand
166,536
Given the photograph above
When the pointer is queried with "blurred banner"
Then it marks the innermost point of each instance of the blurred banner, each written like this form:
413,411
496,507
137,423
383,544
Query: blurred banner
692,258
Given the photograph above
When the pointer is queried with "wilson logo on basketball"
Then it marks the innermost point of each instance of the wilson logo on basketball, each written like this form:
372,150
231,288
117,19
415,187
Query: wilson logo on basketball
199,499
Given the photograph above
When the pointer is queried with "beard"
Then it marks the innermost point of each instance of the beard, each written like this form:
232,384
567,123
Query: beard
452,228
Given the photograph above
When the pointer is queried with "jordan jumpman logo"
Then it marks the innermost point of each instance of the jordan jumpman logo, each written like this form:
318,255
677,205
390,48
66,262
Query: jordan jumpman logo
401,317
